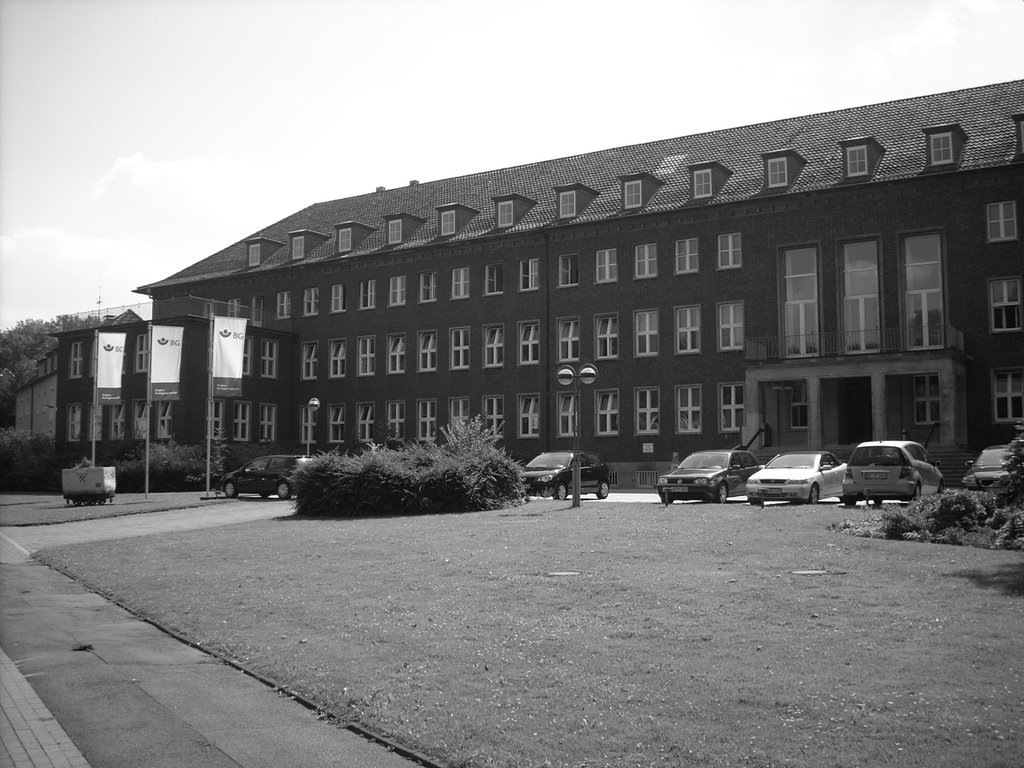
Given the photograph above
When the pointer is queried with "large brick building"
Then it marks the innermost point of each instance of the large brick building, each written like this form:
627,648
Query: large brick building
825,279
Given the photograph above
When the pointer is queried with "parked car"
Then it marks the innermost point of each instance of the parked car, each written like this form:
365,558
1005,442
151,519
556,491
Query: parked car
988,471
709,476
890,469
802,476
265,475
550,474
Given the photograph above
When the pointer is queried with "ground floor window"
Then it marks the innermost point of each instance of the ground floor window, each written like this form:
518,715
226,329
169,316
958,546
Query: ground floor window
1008,402
926,399
268,422
688,397
337,423
731,400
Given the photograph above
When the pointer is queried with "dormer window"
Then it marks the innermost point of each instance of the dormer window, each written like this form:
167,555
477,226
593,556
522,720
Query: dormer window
453,217
344,239
298,246
401,227
566,204
857,160
504,213
638,189
702,183
632,194
707,179
447,222
509,210
1018,121
259,249
944,145
254,254
350,235
782,168
572,199
394,231
304,242
860,157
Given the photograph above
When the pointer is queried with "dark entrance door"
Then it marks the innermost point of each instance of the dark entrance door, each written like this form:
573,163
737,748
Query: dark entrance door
854,401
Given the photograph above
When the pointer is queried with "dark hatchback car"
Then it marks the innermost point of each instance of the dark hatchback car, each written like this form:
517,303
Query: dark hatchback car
266,476
709,476
550,474
988,472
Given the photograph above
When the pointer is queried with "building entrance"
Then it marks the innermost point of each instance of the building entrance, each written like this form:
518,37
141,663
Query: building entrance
853,410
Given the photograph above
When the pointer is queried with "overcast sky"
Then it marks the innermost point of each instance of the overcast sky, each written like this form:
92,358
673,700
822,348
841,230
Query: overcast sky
140,136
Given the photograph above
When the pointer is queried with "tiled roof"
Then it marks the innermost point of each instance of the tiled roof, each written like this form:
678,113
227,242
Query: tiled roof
984,113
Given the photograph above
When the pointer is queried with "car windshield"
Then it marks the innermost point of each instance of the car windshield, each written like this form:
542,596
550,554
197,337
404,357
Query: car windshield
793,461
705,461
550,461
992,457
883,455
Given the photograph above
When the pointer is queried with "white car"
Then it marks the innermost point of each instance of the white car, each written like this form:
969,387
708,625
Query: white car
801,476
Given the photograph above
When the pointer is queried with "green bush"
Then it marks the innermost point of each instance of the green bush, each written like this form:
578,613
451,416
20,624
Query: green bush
28,462
956,508
1011,534
1015,466
172,467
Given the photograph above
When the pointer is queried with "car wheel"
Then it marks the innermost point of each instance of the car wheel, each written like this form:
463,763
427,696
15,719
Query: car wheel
230,490
916,494
849,501
722,493
284,491
942,486
812,497
755,501
602,490
561,492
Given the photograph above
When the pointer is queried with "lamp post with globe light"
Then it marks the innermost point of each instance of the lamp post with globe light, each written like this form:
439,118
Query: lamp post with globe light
311,409
569,376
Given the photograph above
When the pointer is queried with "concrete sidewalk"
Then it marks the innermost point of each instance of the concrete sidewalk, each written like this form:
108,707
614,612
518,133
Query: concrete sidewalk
89,685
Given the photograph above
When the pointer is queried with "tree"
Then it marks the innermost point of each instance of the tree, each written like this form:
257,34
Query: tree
20,348
1015,466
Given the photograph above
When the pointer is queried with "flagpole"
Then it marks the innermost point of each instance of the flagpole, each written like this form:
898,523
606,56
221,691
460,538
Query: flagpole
149,402
95,390
209,405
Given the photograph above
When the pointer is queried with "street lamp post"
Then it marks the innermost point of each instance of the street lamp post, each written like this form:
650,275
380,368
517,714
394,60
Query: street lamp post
567,375
311,408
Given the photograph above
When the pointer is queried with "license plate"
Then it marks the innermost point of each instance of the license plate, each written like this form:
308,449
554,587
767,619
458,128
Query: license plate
772,492
876,475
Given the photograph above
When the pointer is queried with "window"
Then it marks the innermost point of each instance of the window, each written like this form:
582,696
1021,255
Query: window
730,326
254,254
240,421
298,246
801,301
568,339
686,256
396,353
647,401
566,414
447,222
529,343
494,414
140,416
268,359
76,361
857,160
922,256
428,287
309,355
142,353
529,274
645,261
284,305
460,283
427,351
860,296
606,266
568,270
426,420
344,239
687,330
1008,395
336,423
458,410
459,349
730,251
606,337
566,204
731,398
645,326
632,194
367,294
926,399
163,419
247,356
310,301
338,349
607,412
268,422
307,425
529,416
116,420
941,148
494,346
367,364
394,231
74,421
256,311
364,425
216,420
396,419
396,291
1004,295
506,213
339,301
688,409
703,184
777,172
1002,221
494,282
798,405
234,307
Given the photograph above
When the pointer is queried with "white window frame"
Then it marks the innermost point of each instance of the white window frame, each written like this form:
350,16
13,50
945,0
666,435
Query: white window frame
730,250
777,171
1001,221
941,148
254,254
731,413
344,239
339,358
529,416
339,301
447,223
428,287
687,329
426,420
606,266
494,414
396,291
368,294
298,247
529,274
142,353
394,231
645,261
529,342
164,419
256,311
460,283
568,270
116,421
284,305
268,422
606,336
241,420
566,414
647,407
76,360
857,161
268,358
494,279
645,333
730,326
307,425
632,194
336,423
395,415
568,339
567,204
703,183
1007,395
74,421
311,301
367,356
689,419
459,348
494,346
1004,304
364,425
309,359
606,406
458,410
927,399
426,351
687,255
505,213
396,353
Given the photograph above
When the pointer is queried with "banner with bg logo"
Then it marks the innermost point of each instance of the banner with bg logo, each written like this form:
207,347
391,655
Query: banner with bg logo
109,366
165,362
228,355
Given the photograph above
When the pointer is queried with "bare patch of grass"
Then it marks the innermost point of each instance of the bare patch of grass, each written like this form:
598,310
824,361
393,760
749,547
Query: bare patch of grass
686,639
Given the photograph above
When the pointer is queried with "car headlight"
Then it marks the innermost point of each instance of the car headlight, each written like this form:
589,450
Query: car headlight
701,481
545,478
796,482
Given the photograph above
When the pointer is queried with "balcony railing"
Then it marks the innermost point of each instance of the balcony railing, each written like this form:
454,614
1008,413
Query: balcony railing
837,344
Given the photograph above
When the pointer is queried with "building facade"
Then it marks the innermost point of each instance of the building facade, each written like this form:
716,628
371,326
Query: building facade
810,282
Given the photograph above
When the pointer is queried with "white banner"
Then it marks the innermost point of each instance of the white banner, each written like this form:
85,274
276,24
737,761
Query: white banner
109,366
165,362
228,355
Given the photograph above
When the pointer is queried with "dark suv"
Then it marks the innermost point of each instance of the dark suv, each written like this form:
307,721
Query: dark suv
265,475
550,474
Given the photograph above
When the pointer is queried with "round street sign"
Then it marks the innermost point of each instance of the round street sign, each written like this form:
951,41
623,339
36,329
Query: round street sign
587,374
565,375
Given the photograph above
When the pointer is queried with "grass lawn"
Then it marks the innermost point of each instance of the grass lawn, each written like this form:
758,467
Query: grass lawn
677,636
